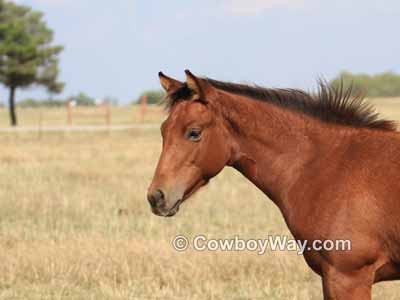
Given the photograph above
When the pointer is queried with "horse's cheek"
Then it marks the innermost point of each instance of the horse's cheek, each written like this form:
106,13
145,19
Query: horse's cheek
216,159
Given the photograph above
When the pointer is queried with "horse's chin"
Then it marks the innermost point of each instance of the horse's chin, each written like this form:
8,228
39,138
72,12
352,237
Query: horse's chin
194,188
174,210
163,212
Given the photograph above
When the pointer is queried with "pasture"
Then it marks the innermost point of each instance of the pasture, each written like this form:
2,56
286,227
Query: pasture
75,223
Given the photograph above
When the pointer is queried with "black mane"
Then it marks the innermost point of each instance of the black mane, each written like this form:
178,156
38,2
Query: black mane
329,104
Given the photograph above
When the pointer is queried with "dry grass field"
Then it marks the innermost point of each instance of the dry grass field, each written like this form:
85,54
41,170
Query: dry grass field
75,224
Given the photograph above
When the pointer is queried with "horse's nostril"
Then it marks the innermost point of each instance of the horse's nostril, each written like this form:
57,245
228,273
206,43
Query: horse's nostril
155,198
159,196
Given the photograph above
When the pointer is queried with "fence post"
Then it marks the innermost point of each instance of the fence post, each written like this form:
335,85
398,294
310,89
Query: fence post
69,112
40,122
144,106
108,113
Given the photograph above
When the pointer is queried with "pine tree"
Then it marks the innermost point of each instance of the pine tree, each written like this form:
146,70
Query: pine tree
27,56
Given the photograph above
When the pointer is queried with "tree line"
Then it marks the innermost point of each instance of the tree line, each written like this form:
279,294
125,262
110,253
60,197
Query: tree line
80,99
385,84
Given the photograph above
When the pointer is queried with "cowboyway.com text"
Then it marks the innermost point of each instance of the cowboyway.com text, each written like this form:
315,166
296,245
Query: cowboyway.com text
270,243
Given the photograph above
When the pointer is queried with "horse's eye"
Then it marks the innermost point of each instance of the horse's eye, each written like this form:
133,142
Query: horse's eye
194,134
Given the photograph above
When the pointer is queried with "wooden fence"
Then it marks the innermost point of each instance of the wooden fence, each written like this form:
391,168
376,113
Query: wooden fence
104,114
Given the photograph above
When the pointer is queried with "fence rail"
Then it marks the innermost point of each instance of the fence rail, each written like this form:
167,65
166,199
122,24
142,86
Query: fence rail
82,128
70,115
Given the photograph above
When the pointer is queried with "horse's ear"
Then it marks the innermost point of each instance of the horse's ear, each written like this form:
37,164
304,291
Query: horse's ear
169,84
198,85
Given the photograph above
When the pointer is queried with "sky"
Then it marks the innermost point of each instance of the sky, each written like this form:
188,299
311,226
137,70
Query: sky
116,48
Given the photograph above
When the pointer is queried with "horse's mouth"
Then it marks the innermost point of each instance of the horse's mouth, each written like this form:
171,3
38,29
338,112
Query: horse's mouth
162,211
175,208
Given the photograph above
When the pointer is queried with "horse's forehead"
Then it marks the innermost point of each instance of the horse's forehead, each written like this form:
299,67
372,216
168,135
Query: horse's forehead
188,110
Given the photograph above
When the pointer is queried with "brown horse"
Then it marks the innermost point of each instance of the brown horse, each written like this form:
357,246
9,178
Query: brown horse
329,163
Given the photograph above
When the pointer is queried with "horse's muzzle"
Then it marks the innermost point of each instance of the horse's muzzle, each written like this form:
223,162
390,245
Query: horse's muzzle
156,198
159,205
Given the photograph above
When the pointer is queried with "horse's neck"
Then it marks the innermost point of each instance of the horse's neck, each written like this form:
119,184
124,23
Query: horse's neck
275,146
